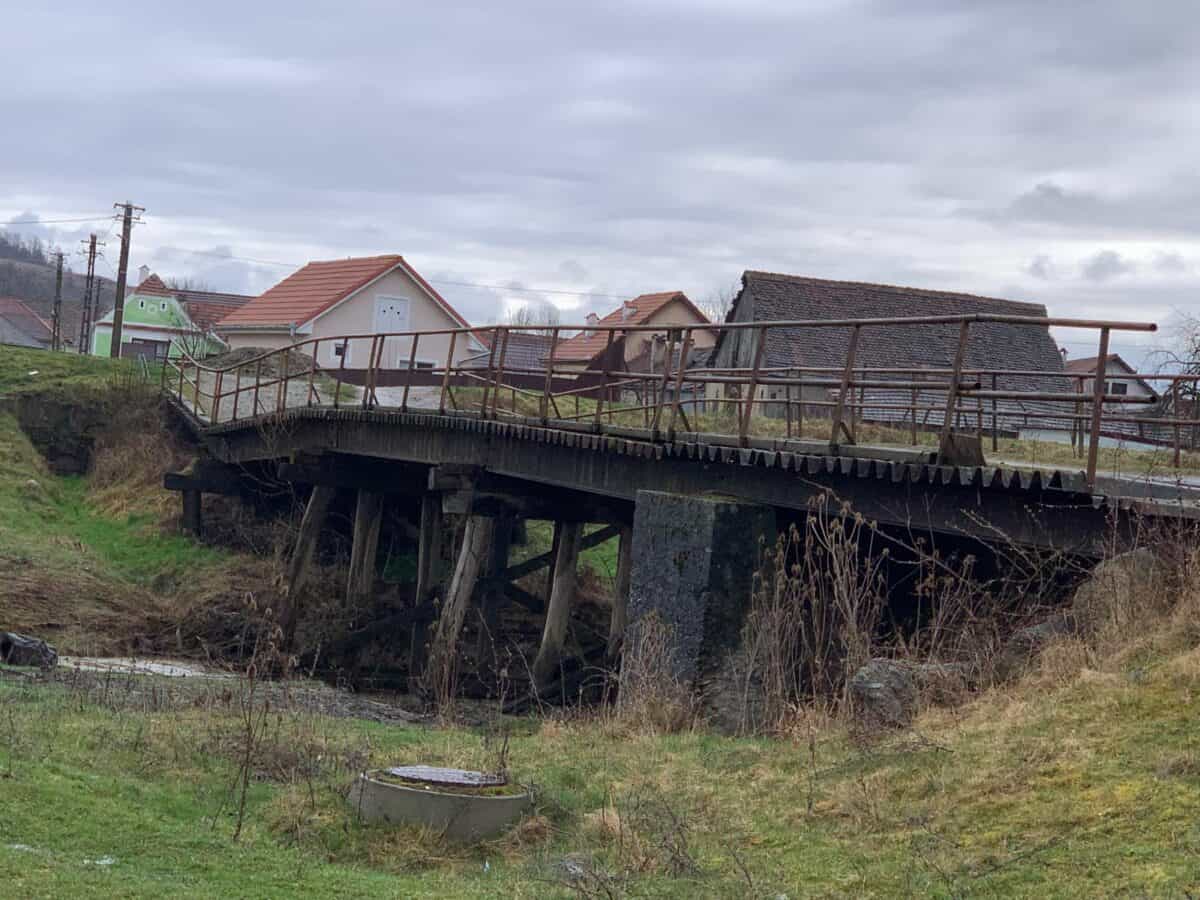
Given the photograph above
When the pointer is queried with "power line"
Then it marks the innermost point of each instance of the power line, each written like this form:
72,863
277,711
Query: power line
56,221
442,281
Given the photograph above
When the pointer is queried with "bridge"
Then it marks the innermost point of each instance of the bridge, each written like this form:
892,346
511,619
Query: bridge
690,465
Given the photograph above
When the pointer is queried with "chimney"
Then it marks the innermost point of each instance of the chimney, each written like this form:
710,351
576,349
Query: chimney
592,320
1063,351
627,310
143,273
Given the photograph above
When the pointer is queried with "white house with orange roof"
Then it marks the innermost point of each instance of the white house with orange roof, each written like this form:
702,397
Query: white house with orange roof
640,351
361,296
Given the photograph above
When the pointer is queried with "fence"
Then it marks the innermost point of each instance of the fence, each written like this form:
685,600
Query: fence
667,392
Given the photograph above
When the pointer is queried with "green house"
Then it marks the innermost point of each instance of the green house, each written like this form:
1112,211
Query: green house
161,322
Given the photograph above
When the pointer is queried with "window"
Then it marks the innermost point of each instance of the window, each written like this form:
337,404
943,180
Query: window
162,306
1119,388
141,304
341,353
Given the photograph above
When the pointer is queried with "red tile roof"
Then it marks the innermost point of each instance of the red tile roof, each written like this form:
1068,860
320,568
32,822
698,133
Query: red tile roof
153,287
25,320
585,345
1088,364
305,294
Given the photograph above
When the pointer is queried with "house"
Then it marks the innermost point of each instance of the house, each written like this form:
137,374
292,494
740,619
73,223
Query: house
526,352
161,322
638,351
21,326
767,296
1114,367
357,296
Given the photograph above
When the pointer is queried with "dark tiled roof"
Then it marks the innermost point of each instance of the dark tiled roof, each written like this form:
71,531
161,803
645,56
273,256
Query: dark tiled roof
526,350
206,308
992,345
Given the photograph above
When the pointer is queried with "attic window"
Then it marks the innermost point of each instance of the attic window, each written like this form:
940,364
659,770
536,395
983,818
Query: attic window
141,304
162,305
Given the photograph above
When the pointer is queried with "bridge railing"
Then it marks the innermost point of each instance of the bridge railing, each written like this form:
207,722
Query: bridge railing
657,381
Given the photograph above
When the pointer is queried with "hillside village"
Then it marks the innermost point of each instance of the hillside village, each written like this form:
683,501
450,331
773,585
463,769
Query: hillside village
600,451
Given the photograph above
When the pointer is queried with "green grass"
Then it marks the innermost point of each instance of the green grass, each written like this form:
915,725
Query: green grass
23,369
1084,789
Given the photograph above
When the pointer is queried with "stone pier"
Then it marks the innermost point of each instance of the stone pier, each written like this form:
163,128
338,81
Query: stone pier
693,564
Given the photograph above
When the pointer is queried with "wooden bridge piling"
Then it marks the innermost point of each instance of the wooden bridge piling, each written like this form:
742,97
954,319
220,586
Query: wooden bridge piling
368,518
562,595
311,526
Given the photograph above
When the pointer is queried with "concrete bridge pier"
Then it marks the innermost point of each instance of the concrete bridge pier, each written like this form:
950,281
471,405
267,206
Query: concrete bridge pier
693,562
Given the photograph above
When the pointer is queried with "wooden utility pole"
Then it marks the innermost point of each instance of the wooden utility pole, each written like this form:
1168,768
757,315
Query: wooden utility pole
56,329
127,220
85,319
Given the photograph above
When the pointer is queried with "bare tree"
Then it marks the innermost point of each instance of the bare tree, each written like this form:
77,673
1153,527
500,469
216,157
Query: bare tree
536,313
719,301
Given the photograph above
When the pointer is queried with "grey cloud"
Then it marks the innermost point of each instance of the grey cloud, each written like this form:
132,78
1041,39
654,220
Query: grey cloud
620,147
1106,265
1042,267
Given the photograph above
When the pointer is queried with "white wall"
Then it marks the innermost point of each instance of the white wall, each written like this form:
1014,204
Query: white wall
357,316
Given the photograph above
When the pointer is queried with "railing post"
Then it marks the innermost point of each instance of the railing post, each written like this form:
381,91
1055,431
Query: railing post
446,374
948,419
847,385
237,391
257,385
603,377
787,403
196,384
312,372
752,389
1097,408
666,376
216,408
1175,416
499,374
544,405
995,427
912,430
367,375
337,388
412,362
281,383
487,381
683,355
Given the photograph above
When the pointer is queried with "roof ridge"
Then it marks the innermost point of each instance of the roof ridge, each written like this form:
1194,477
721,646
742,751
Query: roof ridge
933,292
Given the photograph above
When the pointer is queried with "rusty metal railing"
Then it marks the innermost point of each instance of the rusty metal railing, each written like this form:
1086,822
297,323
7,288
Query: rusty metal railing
647,378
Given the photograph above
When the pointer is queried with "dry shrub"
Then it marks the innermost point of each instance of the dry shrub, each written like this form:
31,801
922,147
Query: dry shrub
817,604
651,694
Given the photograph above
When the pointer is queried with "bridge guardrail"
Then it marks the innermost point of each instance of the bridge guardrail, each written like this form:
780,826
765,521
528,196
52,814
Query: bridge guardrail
659,388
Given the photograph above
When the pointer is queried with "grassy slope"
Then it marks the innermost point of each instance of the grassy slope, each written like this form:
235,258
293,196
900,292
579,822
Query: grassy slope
69,571
1086,789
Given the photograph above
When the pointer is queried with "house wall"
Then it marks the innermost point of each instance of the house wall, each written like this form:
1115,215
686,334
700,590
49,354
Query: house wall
154,319
357,316
1112,373
675,313
265,340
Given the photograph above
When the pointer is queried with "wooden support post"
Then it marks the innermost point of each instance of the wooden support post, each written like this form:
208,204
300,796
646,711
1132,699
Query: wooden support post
752,387
684,352
302,556
1175,415
995,431
368,517
192,520
493,598
620,610
945,447
429,548
429,576
1097,408
847,385
562,595
446,374
477,538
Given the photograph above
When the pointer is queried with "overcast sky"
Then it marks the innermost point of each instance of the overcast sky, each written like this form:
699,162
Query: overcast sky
1030,150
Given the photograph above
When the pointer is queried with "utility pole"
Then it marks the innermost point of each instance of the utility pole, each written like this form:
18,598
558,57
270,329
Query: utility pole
119,307
85,319
56,329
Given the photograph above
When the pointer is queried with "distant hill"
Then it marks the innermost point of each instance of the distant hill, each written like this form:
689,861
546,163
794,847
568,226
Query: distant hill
27,272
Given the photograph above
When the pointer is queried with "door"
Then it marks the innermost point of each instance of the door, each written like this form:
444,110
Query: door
391,315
